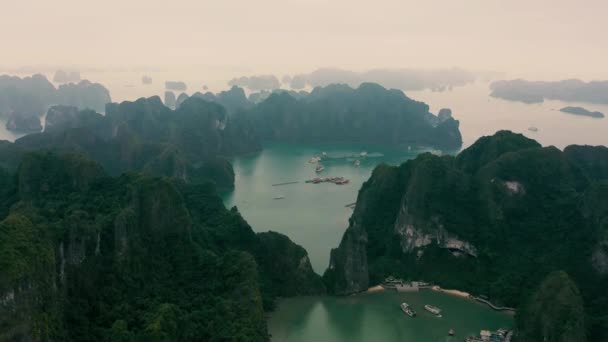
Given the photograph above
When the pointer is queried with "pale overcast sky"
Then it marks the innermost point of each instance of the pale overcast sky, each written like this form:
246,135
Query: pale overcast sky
544,38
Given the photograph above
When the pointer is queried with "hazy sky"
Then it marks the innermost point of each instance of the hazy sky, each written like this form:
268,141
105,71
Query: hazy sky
535,38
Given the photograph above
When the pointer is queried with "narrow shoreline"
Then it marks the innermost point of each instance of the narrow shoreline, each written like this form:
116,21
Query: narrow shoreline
453,292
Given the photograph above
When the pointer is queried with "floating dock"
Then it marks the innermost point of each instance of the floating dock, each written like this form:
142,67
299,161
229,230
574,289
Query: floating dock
286,183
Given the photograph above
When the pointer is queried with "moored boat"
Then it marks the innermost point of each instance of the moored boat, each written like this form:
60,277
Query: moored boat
319,168
408,310
433,309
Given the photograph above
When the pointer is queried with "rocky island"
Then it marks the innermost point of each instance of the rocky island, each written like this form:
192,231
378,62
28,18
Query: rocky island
572,90
25,100
476,221
582,111
339,113
23,123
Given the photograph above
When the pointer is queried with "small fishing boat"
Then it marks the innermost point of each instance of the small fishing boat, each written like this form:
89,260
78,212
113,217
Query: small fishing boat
279,197
408,310
363,154
357,162
319,169
451,332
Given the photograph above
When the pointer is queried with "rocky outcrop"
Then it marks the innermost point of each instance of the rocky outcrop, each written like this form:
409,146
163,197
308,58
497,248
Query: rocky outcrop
180,99
23,124
31,96
175,85
84,95
60,118
339,113
62,76
170,100
571,90
444,114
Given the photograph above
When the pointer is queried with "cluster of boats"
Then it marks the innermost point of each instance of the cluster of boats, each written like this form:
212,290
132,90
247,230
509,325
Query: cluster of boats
499,335
335,180
323,156
408,310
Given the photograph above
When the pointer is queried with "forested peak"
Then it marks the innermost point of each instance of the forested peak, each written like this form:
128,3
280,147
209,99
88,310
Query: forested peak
488,148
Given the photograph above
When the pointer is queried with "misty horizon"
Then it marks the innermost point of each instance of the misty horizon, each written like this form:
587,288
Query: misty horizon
545,40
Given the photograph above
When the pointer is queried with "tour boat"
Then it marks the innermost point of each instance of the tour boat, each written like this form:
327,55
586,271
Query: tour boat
433,309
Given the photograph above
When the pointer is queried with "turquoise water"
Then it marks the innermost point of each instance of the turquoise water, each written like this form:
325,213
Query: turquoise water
315,216
378,317
312,215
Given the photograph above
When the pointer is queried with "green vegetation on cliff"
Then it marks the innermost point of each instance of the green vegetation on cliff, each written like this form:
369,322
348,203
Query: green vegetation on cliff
85,256
554,313
367,114
494,220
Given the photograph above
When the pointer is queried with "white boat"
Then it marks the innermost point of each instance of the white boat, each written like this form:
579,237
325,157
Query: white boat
436,152
319,168
357,162
363,154
408,310
278,197
433,309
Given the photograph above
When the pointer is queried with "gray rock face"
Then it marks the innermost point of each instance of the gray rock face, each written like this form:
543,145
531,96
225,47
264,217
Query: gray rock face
348,262
417,238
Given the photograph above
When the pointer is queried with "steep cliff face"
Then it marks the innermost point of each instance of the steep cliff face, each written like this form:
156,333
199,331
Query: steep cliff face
476,221
90,257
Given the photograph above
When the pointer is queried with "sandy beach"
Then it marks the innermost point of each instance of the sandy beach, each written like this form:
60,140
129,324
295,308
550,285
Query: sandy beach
376,288
452,292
